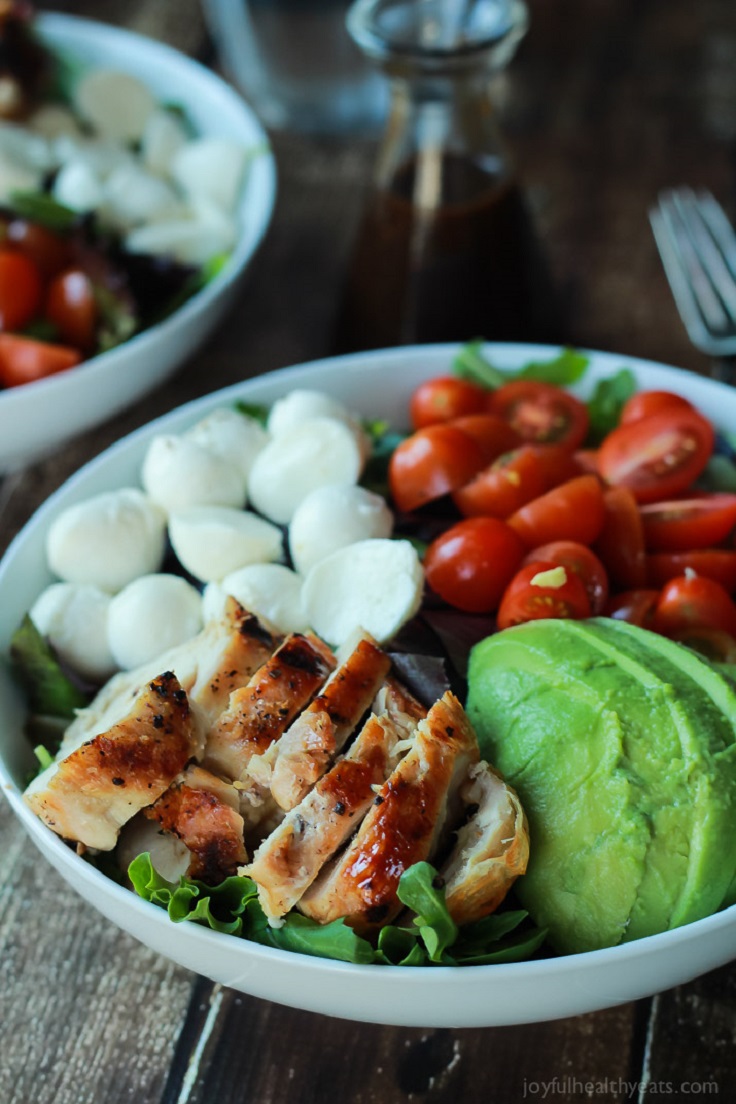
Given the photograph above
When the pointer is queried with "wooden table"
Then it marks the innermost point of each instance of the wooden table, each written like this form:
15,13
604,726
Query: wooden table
607,101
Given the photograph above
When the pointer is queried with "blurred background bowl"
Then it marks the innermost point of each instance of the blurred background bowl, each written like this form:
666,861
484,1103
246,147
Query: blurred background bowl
37,418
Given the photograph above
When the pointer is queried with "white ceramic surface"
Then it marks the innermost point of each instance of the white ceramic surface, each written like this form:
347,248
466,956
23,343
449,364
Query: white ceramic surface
37,418
378,385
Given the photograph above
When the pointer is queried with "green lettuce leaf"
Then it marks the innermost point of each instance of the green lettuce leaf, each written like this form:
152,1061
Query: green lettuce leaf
604,408
258,411
430,938
562,370
42,208
50,691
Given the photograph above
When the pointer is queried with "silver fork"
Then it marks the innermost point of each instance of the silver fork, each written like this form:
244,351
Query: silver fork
697,245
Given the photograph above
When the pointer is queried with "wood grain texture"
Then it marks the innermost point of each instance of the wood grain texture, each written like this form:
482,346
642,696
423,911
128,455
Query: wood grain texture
606,102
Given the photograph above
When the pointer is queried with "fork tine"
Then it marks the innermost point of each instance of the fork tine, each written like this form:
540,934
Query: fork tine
694,296
708,246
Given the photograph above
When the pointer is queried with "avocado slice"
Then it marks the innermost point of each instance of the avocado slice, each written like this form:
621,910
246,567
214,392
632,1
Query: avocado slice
623,754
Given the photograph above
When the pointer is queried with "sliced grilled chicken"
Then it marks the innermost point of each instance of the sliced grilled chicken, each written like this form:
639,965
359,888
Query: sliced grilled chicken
209,667
259,713
290,858
293,764
492,848
402,707
403,827
91,793
201,811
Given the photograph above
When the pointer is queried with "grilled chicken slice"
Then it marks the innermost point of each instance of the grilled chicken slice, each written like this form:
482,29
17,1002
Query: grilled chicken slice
259,713
101,785
492,848
292,765
402,707
221,658
201,811
404,826
291,857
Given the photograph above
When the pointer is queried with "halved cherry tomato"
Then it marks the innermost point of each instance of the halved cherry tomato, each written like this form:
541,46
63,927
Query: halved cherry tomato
715,644
621,541
587,461
444,398
635,606
23,360
659,456
542,590
541,413
645,403
21,290
572,511
431,463
470,565
688,523
714,563
493,434
504,487
558,464
693,601
49,252
580,560
70,305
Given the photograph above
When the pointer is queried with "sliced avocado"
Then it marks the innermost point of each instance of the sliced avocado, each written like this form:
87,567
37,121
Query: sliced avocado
625,766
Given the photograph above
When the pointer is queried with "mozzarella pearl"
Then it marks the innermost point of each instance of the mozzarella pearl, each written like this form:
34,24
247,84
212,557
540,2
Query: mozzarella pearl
333,517
212,541
108,540
151,615
178,473
73,618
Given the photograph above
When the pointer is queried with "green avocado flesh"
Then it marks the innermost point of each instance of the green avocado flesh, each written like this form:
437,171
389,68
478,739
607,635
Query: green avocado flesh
621,745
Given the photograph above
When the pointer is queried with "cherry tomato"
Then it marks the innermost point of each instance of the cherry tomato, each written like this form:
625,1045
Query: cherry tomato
503,488
573,511
47,250
70,305
646,403
582,562
693,601
621,541
715,644
23,360
541,413
431,463
541,590
493,434
21,290
635,606
442,399
659,456
714,563
558,464
688,523
471,564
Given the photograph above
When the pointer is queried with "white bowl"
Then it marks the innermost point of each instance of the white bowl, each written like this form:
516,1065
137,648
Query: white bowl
375,384
37,418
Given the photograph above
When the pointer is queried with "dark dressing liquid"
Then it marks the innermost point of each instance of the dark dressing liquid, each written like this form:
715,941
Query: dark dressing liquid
469,266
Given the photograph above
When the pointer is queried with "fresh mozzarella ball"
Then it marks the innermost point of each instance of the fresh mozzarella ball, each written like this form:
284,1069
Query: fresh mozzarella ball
302,405
333,517
190,240
210,169
20,148
116,104
321,452
151,615
178,473
18,178
100,158
236,437
374,585
272,592
108,540
163,135
212,541
133,195
73,618
77,187
53,120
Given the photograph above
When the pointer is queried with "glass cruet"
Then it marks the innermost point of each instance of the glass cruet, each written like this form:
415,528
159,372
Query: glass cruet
446,249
